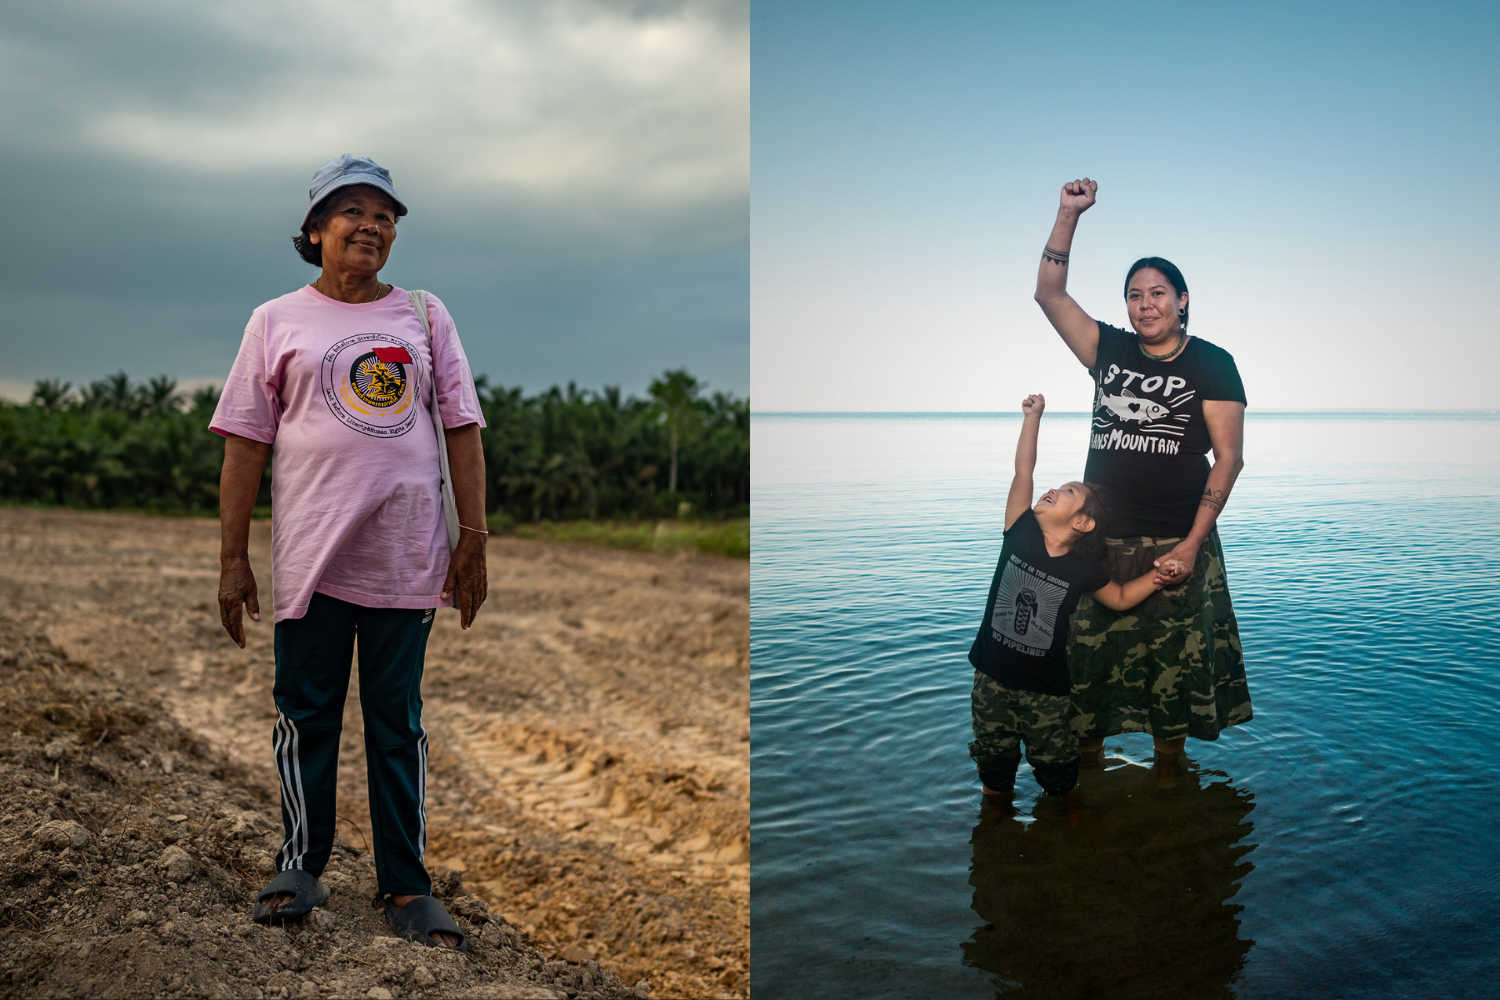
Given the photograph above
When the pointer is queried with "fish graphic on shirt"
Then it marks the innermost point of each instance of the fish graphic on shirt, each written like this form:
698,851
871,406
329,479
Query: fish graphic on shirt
1127,406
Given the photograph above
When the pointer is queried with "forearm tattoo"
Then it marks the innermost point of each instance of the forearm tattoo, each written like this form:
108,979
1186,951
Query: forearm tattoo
1213,498
1055,256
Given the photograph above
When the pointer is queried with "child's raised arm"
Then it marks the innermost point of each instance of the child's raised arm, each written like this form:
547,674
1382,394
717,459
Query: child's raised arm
1021,488
1124,596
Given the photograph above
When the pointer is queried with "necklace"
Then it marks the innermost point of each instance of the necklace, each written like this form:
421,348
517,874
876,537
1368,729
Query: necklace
381,290
1163,357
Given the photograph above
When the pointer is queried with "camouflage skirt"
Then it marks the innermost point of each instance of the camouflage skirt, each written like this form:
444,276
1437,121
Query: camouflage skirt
1170,666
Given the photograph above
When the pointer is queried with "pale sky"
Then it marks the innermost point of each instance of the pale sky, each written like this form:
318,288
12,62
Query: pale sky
1323,174
577,173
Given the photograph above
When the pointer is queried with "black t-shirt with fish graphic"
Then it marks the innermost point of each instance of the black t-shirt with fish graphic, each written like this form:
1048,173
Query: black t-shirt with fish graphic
1148,446
1023,640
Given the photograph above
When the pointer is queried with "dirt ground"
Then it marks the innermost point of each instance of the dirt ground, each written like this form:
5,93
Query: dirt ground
589,772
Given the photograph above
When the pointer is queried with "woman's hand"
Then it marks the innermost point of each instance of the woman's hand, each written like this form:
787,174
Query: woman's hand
244,461
1177,565
1078,196
467,576
466,582
237,594
1168,568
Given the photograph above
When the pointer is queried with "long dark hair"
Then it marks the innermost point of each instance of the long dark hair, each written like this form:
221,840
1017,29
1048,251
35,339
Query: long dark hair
1166,267
1095,505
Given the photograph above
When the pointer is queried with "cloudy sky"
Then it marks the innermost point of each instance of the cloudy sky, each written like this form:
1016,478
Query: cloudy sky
577,174
1323,174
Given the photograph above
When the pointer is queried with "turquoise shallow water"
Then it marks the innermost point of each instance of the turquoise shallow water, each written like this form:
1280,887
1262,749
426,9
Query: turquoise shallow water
1341,844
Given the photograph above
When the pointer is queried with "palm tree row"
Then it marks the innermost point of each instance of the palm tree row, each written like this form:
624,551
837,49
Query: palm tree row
560,454
568,453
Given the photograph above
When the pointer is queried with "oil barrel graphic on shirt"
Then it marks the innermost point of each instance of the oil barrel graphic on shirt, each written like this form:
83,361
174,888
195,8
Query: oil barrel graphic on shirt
1026,607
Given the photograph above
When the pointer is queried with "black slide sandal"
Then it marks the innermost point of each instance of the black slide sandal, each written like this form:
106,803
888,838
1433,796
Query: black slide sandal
306,892
418,919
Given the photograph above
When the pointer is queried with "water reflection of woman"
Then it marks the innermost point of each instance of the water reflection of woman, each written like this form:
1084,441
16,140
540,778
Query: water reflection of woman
1135,902
1171,667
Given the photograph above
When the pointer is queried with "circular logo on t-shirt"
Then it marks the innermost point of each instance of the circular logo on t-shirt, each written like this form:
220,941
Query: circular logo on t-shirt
378,383
368,383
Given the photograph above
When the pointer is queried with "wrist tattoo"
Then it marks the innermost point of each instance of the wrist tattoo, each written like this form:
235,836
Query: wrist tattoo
1213,498
1055,256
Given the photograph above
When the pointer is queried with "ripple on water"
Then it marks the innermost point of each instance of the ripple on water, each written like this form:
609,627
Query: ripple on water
1340,844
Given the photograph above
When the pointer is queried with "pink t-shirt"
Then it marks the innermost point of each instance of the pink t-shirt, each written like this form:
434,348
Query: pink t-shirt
340,390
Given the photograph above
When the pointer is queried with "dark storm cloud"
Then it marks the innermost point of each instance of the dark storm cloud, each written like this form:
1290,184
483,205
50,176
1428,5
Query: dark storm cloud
577,174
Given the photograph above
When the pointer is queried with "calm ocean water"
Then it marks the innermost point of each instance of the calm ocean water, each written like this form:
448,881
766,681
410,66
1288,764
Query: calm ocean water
1342,844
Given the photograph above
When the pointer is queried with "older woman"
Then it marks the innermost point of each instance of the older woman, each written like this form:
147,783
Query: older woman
339,376
1172,666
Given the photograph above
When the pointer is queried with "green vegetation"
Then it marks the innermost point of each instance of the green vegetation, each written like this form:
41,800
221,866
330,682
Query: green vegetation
568,454
563,455
112,445
719,538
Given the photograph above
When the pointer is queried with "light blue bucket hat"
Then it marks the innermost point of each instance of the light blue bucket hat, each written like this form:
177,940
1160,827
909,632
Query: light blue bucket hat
342,171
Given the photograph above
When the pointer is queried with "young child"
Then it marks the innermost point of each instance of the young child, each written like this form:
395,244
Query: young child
1053,554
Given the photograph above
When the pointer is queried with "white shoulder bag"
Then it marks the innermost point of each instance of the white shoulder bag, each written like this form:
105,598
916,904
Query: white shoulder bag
450,504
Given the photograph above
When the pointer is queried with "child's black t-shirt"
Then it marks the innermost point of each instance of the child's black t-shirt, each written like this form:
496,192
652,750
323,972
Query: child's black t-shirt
1023,640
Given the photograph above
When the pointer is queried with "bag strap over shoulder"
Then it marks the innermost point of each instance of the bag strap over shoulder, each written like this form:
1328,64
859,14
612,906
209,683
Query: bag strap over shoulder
419,303
450,503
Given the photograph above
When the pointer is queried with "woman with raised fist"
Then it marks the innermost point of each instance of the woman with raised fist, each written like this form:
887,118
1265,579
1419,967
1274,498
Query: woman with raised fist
1163,400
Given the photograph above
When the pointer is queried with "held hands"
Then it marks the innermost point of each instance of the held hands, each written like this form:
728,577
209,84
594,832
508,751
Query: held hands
237,594
1176,566
1166,570
1033,405
1078,196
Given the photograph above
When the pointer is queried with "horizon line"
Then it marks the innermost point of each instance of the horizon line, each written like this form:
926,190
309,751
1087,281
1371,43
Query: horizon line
1456,411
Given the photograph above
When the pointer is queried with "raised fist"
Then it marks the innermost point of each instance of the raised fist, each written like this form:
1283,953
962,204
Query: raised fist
1078,196
1034,404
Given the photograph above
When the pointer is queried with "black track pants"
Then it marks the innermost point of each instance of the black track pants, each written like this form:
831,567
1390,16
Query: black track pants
313,656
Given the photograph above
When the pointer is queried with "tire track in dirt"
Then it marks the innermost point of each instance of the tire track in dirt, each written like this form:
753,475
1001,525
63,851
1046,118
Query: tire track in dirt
590,762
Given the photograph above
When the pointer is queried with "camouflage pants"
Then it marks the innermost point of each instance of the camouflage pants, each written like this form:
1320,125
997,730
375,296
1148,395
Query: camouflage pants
1171,666
1003,718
